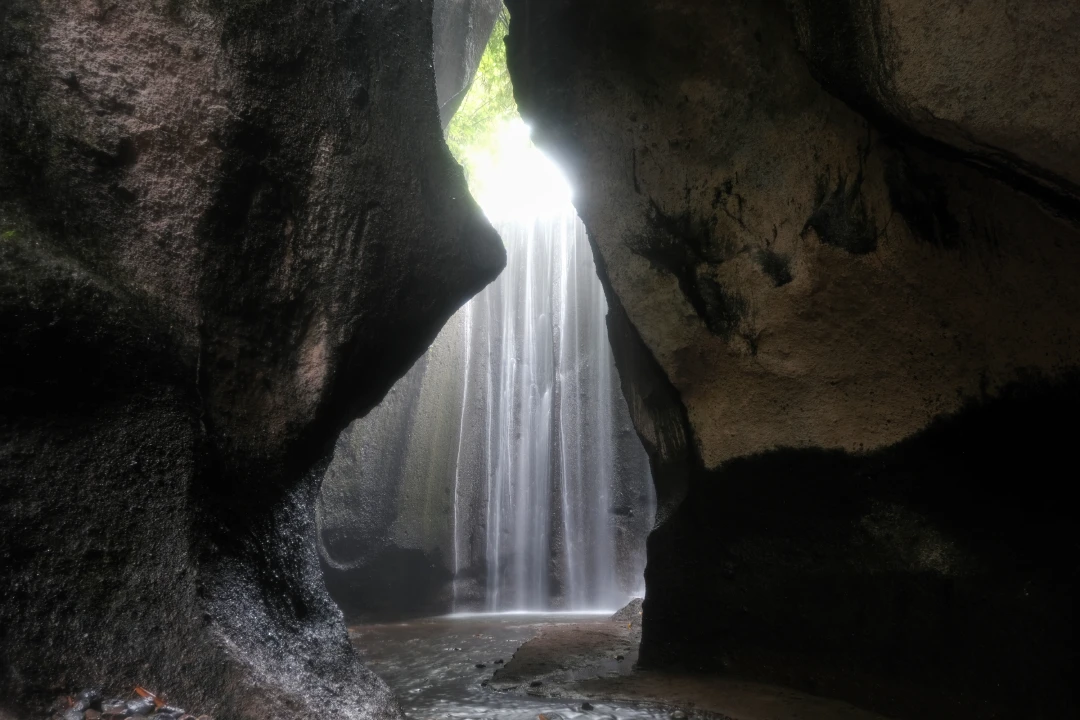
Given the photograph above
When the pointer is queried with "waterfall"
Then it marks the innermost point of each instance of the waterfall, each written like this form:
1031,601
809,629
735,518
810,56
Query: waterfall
546,423
461,439
502,472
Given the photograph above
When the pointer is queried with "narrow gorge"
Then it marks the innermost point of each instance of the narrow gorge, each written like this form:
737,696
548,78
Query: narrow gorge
571,359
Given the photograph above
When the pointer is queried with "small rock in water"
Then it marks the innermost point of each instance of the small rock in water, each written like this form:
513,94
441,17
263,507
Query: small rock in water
73,714
140,707
480,666
113,710
536,683
92,714
678,715
113,705
620,658
586,706
89,699
483,683
499,661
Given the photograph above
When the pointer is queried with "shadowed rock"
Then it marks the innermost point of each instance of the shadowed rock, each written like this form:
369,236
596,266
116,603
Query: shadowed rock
225,229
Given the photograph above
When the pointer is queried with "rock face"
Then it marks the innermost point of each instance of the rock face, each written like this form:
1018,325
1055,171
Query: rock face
385,512
461,32
839,242
225,229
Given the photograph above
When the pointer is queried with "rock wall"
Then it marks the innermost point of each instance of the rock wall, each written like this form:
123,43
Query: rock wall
385,513
839,242
226,228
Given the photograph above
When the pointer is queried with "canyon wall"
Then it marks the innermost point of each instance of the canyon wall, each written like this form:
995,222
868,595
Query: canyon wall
840,243
226,228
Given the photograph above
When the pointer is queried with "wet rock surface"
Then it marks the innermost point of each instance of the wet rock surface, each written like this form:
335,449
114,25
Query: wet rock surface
597,660
225,230
431,665
566,652
842,312
92,704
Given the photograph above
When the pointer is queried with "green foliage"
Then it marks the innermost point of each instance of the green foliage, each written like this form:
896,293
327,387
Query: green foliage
488,104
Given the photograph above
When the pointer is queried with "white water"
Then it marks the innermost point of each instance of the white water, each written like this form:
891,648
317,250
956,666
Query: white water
548,422
506,455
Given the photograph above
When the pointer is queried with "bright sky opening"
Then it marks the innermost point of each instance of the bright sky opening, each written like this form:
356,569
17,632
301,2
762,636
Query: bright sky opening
511,179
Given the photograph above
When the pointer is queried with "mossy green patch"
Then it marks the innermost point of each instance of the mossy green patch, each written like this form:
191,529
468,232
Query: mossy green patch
488,104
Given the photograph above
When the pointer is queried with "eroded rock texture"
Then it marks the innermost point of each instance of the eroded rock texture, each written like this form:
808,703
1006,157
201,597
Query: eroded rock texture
225,229
840,242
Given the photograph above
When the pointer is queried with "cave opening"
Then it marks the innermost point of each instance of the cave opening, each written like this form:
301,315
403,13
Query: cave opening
502,473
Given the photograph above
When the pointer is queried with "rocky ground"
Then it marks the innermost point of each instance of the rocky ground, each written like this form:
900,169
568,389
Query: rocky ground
596,661
92,704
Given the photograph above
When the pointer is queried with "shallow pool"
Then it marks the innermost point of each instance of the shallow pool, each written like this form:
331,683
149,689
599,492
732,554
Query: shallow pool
432,666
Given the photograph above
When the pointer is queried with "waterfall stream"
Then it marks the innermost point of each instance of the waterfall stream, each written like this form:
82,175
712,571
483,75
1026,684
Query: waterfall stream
502,473
549,390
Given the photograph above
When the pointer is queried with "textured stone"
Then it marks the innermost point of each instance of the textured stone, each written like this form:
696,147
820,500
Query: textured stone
745,214
831,272
225,229
995,81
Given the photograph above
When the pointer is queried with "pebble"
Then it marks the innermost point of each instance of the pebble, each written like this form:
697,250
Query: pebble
140,707
620,658
536,683
89,699
499,661
113,706
586,707
480,666
678,715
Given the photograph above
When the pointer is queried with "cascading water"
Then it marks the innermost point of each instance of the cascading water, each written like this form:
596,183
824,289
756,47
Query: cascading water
502,472
548,390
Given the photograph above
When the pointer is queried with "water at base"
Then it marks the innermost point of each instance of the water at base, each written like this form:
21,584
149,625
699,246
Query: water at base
431,664
540,614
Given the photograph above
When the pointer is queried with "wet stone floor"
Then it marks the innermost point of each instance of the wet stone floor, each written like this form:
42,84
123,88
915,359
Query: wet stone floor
441,668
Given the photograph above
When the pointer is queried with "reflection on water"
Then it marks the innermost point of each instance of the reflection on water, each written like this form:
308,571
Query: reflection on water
432,666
